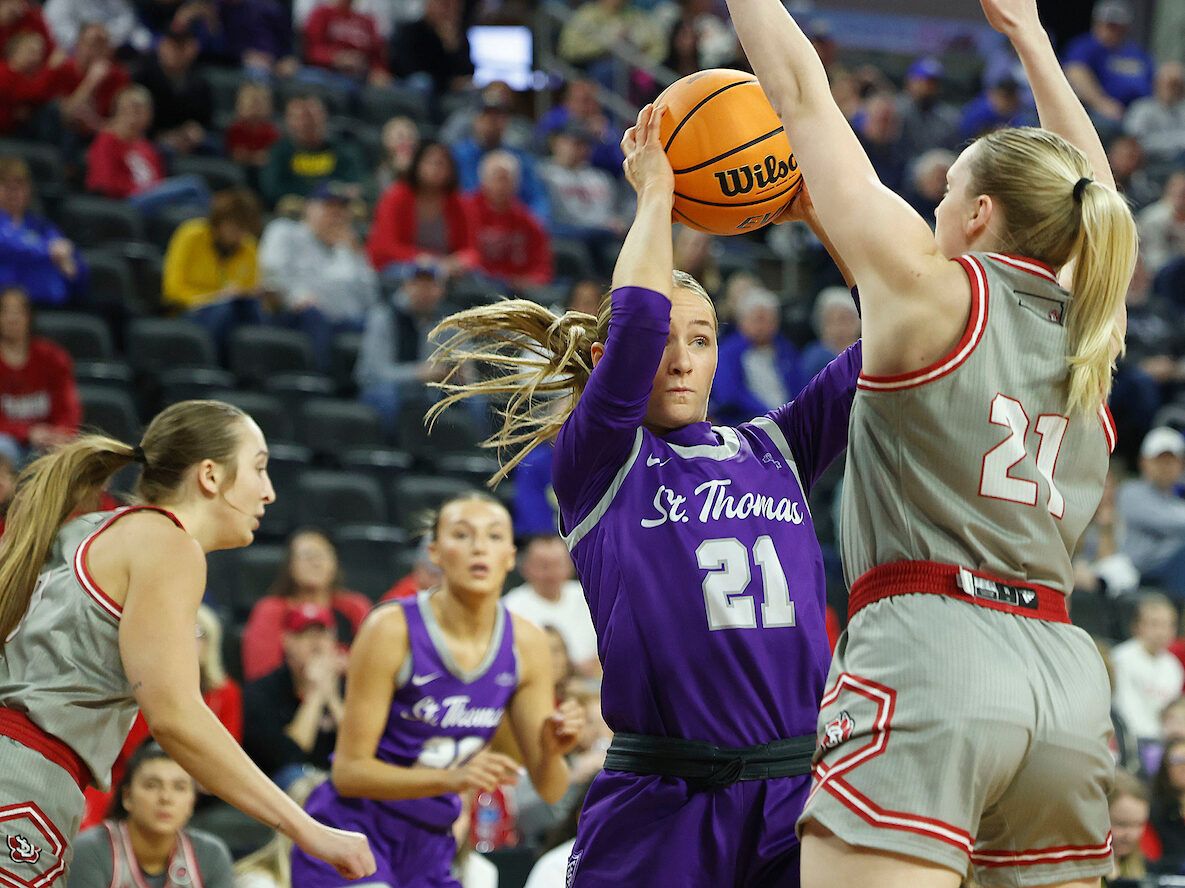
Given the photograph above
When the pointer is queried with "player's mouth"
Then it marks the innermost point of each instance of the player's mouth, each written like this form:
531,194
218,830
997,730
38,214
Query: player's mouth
680,391
479,570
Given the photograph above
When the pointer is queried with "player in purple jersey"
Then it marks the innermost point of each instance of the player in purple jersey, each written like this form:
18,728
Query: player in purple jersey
697,552
430,681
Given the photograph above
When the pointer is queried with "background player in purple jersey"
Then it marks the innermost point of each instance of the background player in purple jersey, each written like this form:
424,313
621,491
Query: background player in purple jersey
697,553
430,681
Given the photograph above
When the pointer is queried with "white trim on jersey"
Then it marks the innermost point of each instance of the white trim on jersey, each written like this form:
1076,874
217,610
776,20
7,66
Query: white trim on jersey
1025,265
774,432
730,446
590,520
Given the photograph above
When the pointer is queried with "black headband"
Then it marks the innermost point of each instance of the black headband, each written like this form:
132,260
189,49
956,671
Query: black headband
1080,188
138,455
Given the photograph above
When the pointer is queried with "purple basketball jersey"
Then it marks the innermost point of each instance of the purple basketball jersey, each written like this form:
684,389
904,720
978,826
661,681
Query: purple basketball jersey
441,716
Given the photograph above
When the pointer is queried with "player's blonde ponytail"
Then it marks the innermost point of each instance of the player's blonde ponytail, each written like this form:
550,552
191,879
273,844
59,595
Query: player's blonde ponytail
533,365
1053,215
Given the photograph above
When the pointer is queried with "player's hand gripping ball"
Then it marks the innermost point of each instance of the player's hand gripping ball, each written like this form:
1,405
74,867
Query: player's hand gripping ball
734,167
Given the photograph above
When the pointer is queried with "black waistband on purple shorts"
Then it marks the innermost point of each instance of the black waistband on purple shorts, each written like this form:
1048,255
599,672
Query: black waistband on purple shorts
705,766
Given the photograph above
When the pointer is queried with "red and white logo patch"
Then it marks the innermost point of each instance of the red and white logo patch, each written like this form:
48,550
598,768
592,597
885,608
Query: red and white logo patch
838,730
21,850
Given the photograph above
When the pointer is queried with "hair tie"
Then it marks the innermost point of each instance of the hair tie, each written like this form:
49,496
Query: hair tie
139,456
1080,188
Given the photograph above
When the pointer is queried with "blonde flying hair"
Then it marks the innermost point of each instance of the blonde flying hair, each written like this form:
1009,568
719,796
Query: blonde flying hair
1034,174
68,481
535,361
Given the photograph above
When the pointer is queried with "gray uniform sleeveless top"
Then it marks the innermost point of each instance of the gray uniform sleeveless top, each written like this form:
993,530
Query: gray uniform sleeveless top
61,666
974,460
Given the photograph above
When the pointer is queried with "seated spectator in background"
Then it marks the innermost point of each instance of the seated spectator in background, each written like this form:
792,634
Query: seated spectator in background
23,16
401,141
306,156
1158,121
7,486
346,41
1153,511
551,869
91,79
552,597
1129,806
584,200
252,133
927,122
318,269
291,715
1107,69
385,13
423,219
598,27
683,51
512,245
121,163
33,253
67,18
1147,676
435,48
256,34
1127,160
535,508
758,369
423,576
39,406
1099,566
580,107
837,324
1168,806
489,135
1162,226
520,129
145,841
28,83
999,105
310,576
181,97
392,368
927,182
695,253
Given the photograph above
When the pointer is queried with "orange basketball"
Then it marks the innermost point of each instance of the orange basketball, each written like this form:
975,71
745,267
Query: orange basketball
734,167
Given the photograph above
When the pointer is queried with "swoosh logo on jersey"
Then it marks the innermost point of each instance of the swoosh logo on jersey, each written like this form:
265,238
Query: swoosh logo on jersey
506,680
420,680
653,460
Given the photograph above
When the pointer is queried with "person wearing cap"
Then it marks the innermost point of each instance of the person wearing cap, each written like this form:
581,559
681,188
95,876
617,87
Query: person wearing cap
927,122
182,98
520,129
489,134
318,269
306,156
1107,69
580,106
1153,511
998,106
290,716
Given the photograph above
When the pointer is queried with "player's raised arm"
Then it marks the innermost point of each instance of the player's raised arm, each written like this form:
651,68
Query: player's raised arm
647,255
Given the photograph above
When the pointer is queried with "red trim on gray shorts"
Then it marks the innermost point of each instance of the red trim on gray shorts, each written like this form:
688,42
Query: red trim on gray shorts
975,587
19,727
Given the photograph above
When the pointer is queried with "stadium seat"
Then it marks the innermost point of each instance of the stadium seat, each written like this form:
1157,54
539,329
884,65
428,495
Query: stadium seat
116,374
112,281
147,263
44,161
330,426
570,259
268,411
285,465
165,223
475,468
294,389
159,344
111,411
368,555
336,99
413,497
218,172
92,221
380,104
257,353
258,567
330,498
452,432
384,464
187,383
344,356
224,84
84,336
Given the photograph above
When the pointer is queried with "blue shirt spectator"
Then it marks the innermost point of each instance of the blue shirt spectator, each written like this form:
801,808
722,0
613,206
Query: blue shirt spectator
535,508
580,107
837,324
33,253
1106,69
489,134
997,106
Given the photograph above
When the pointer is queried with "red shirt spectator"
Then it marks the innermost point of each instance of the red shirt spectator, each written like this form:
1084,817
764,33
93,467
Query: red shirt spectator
250,136
252,132
511,243
26,80
121,161
342,39
21,17
92,78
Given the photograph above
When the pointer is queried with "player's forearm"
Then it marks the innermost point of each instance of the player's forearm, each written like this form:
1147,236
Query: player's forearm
551,778
782,57
369,778
647,255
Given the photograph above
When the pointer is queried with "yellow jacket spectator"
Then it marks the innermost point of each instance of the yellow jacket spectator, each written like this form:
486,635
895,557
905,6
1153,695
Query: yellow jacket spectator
214,259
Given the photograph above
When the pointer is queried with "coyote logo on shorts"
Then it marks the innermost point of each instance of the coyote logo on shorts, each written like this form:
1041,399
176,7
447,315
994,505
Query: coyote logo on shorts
570,873
21,850
838,730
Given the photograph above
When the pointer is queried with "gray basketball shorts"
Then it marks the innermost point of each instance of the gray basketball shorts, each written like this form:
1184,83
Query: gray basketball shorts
967,737
41,809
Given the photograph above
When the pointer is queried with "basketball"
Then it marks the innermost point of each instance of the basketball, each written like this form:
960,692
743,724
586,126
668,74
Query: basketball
734,167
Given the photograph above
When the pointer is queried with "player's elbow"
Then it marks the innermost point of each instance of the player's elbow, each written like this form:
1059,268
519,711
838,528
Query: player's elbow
344,776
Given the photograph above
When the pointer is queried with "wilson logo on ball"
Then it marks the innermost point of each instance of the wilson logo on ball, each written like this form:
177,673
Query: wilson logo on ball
742,180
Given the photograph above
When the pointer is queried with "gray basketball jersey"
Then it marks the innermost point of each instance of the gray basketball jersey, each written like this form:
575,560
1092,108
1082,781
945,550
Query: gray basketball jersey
61,665
975,460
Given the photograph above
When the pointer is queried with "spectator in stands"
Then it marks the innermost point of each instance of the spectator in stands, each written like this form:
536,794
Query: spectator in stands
1162,226
1158,121
837,324
346,41
599,27
584,200
512,245
319,271
424,574
291,715
33,253
997,106
561,662
386,13
927,182
1153,511
489,135
145,841
252,133
309,576
66,19
683,50
1126,157
580,107
551,596
7,486
519,131
306,156
256,34
401,141
1147,676
39,406
759,369
121,163
91,79
927,122
435,48
1168,807
535,508
423,219
29,81
211,267
1129,806
23,16
1107,69
183,101
1099,565
697,250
